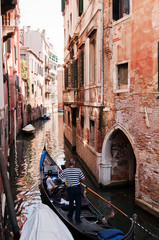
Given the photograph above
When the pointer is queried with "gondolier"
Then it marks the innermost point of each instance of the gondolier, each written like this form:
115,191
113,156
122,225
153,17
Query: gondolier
73,176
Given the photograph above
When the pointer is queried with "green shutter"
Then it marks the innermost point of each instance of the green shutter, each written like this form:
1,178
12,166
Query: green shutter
80,7
62,5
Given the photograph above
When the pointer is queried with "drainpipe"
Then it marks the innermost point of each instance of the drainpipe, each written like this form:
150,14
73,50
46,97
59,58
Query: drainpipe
102,75
9,198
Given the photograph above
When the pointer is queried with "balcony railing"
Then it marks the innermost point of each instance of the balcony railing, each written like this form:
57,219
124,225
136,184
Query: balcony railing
91,95
74,96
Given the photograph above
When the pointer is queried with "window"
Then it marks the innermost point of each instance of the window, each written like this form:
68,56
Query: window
92,66
121,8
80,7
32,88
15,54
17,82
9,46
75,73
122,76
82,126
92,133
8,19
81,68
70,25
68,118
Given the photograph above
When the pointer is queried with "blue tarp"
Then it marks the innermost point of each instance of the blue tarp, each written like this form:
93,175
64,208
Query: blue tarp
110,234
42,159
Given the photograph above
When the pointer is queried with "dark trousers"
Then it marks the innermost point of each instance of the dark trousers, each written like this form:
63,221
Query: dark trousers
74,193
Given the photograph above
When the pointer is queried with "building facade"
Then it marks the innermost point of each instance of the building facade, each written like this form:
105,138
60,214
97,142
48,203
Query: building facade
37,42
131,93
53,61
60,87
10,96
32,79
83,78
111,92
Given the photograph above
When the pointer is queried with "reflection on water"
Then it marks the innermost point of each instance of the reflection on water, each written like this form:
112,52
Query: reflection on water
24,176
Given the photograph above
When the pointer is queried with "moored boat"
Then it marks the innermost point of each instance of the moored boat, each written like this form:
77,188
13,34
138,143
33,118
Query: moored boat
46,116
93,224
44,224
28,129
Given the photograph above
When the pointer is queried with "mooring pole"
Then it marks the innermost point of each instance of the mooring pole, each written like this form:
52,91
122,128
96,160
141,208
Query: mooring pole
9,198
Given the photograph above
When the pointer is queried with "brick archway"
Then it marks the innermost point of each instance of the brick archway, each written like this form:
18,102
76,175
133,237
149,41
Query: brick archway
118,157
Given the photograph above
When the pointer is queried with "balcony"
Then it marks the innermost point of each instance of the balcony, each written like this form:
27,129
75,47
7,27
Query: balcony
8,26
74,96
91,95
7,5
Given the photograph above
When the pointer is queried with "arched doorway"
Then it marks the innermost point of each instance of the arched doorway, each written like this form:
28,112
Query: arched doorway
118,159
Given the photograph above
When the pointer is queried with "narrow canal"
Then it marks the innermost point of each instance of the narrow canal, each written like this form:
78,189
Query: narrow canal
24,174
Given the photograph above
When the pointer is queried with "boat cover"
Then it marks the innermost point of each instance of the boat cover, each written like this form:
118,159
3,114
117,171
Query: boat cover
29,126
44,224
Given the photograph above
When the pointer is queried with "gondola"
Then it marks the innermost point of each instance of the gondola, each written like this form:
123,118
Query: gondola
93,225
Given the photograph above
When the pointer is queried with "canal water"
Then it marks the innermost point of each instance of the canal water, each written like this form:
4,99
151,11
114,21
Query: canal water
24,175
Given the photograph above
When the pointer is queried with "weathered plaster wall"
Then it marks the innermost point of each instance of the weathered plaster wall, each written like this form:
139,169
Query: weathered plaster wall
135,39
90,157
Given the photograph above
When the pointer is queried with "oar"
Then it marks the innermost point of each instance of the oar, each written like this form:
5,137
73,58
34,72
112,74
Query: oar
132,219
106,201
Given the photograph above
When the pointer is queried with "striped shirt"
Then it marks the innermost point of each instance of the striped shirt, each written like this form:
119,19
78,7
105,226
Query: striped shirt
72,176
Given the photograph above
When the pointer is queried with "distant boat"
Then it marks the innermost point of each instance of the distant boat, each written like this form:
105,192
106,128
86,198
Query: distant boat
44,224
28,129
46,116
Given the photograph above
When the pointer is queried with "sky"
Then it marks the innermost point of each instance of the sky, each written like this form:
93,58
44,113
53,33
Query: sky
44,14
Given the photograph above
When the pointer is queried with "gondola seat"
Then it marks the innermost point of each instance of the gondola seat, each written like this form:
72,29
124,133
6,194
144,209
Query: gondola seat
53,168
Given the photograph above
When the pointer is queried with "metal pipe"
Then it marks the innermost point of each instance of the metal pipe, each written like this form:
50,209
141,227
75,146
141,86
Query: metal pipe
9,198
102,70
158,66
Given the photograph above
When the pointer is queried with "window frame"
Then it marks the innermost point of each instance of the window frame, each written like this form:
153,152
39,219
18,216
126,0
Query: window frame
92,134
123,17
92,57
82,126
116,81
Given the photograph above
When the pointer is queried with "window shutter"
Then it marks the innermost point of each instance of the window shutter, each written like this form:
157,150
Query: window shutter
81,68
80,7
75,73
62,5
123,74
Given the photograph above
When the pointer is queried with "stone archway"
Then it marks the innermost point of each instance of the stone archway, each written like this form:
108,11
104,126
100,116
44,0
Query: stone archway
118,164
